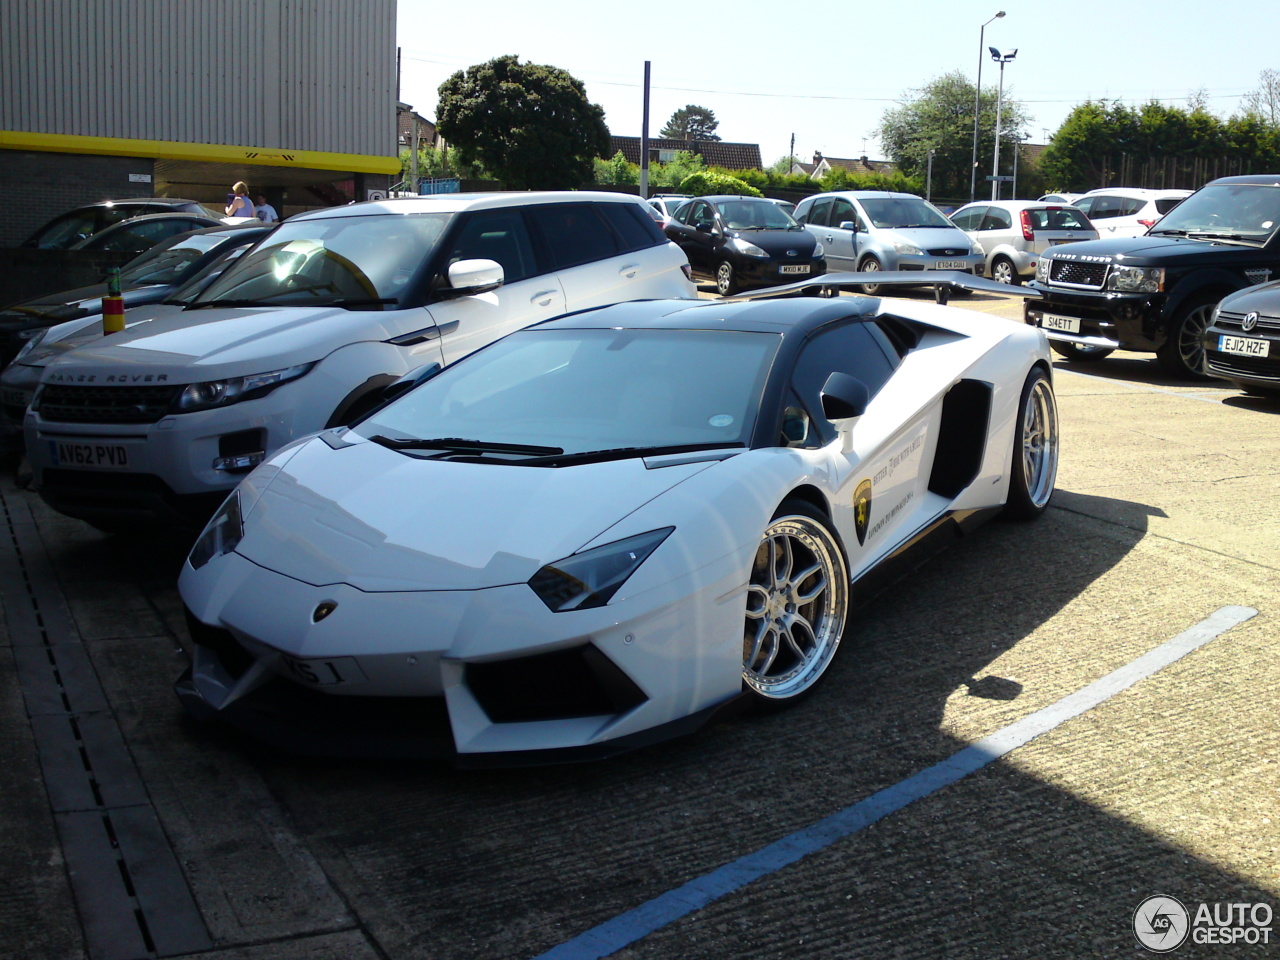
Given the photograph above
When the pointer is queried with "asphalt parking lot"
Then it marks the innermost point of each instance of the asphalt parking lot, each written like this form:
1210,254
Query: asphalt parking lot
132,832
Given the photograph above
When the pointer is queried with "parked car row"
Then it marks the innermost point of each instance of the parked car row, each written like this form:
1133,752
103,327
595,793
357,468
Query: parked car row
606,457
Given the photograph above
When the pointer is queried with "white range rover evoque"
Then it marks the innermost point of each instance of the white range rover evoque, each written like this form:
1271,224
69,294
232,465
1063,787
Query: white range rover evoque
307,330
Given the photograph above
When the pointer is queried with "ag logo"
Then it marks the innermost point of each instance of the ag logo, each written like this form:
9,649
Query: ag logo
1250,321
862,510
322,611
1161,923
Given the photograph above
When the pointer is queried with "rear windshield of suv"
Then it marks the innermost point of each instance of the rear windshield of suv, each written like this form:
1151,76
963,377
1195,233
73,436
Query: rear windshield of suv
1165,204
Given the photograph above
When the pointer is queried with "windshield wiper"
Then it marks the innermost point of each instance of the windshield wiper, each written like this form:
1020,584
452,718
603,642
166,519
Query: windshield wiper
1166,233
366,302
227,303
462,444
621,453
1224,236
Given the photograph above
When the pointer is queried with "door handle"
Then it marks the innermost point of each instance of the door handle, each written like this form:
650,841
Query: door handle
630,270
830,239
543,297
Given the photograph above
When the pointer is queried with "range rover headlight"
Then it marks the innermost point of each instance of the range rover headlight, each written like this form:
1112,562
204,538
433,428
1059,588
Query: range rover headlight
1125,279
1042,270
32,338
219,393
221,536
591,578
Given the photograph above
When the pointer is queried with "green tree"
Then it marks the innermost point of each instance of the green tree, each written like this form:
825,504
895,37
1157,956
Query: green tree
1264,102
711,183
617,169
530,124
671,174
691,122
939,117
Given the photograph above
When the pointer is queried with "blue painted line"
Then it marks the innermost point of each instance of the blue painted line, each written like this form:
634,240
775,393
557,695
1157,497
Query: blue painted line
612,935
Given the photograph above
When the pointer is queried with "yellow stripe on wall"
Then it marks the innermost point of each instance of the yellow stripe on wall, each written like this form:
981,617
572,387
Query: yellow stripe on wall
203,152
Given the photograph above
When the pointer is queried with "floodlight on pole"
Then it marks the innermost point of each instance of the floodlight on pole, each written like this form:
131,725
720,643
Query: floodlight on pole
977,104
1001,57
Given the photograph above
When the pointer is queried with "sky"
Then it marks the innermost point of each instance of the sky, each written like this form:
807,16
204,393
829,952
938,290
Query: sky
826,72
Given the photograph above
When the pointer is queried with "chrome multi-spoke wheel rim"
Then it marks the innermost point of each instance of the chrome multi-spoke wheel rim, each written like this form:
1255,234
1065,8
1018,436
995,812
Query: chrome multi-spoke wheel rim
1040,443
1191,337
797,601
1002,271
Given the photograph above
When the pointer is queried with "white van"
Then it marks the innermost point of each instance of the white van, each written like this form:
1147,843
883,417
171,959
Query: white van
308,329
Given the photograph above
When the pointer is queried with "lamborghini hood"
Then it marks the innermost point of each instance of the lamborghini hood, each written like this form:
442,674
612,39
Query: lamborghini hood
382,520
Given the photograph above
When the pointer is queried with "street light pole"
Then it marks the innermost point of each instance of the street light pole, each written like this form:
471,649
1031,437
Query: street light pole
977,104
1001,58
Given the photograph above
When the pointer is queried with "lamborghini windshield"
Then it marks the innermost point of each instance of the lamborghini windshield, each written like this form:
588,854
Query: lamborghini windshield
574,392
356,262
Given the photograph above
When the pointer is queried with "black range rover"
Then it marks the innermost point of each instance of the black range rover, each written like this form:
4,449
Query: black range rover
1157,292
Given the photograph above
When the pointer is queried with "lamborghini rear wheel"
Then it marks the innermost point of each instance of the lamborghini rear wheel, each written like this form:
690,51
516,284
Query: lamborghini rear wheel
797,604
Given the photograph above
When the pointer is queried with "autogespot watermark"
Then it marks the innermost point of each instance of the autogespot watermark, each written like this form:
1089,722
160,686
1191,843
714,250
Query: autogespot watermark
1162,923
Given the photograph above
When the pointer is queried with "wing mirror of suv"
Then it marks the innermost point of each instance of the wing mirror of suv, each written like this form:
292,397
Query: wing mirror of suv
703,227
469,277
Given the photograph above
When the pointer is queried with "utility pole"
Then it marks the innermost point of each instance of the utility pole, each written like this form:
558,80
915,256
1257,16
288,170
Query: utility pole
644,138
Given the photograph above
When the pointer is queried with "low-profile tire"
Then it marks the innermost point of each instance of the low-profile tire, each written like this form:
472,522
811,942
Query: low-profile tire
870,265
797,606
1003,271
1078,352
1182,354
1034,469
726,279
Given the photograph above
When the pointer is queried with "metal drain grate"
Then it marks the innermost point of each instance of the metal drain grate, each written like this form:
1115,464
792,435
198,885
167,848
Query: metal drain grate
131,895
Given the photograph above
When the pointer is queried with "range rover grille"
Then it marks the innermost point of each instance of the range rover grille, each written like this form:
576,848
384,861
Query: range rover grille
1076,273
63,403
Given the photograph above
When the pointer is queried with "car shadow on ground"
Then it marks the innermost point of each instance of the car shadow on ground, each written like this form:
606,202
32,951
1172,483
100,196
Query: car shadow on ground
1135,368
457,864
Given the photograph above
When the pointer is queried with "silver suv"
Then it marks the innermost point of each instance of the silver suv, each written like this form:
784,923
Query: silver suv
870,230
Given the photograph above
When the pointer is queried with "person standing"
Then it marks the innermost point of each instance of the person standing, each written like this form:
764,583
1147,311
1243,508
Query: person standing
239,204
265,211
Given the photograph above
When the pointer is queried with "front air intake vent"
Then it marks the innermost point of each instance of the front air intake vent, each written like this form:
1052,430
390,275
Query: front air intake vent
581,682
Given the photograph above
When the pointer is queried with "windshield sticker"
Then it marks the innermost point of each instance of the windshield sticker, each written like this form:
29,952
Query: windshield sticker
721,420
899,458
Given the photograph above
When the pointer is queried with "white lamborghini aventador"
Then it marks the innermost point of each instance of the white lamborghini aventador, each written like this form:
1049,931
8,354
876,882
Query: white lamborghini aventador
604,529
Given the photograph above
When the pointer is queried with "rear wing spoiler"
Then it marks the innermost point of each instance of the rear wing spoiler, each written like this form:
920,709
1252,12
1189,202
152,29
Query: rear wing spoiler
944,282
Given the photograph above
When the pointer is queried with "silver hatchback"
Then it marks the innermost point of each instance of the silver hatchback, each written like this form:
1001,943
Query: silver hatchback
1013,233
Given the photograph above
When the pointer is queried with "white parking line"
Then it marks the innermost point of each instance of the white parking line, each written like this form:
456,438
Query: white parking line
633,925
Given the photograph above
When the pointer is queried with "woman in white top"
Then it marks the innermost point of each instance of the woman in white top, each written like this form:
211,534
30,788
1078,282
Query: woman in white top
240,205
